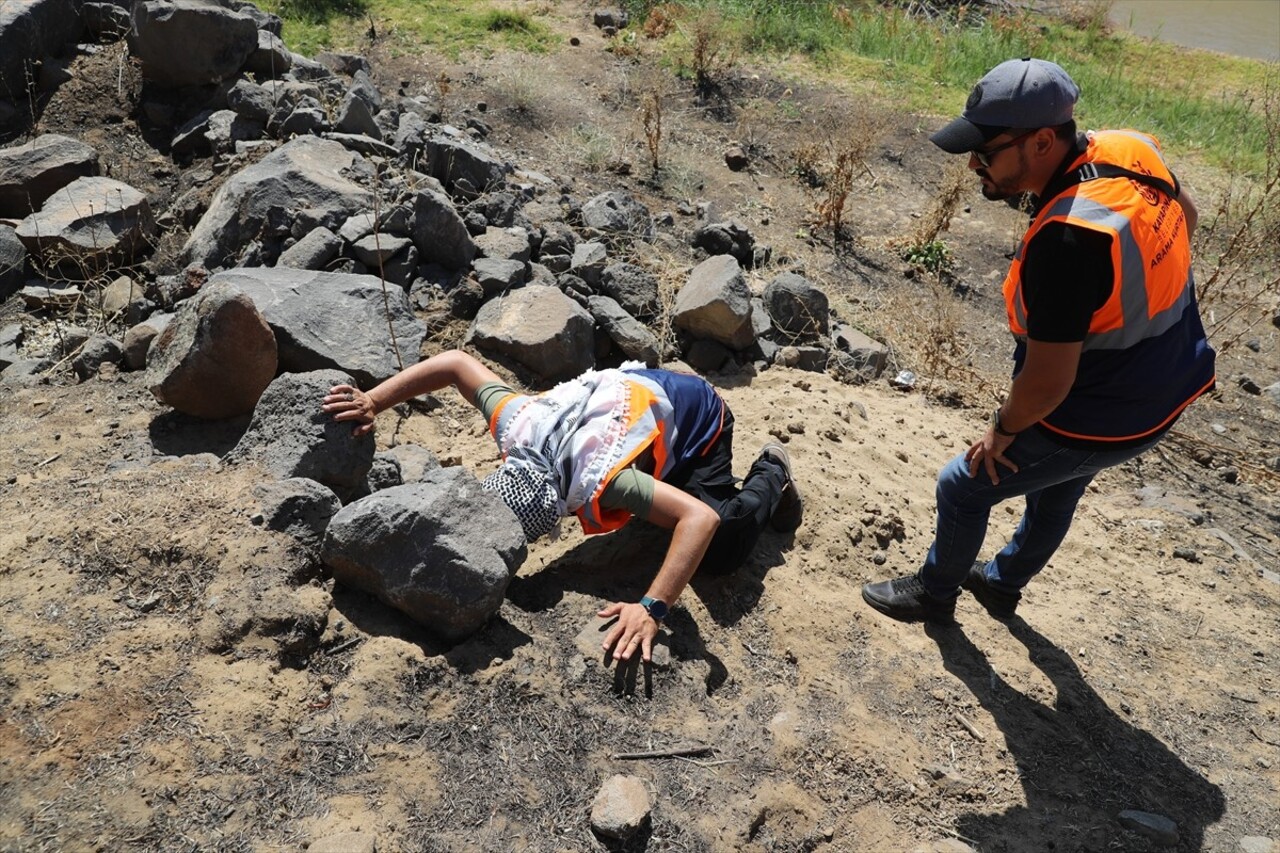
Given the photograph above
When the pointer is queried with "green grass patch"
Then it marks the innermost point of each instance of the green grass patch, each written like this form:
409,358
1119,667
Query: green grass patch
449,28
1193,100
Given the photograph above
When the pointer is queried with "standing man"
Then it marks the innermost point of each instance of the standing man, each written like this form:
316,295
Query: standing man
1109,344
607,446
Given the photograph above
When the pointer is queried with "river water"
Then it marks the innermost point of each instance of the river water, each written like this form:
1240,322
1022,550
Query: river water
1248,28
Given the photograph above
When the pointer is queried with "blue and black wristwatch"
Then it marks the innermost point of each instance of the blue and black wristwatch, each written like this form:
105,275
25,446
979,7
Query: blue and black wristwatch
656,606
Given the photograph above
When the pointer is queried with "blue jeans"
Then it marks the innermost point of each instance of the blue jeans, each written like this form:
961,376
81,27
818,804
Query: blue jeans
1051,476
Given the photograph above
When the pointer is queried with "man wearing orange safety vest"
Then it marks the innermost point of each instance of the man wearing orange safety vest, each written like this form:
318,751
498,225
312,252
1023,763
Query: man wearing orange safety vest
1109,344
608,446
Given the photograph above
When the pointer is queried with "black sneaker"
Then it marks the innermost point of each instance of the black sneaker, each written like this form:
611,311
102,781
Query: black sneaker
1000,604
906,600
789,512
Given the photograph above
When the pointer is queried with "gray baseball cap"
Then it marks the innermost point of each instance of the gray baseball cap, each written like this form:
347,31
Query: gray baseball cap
1020,93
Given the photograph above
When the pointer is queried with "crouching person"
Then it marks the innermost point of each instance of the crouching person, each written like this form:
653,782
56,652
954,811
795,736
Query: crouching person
608,446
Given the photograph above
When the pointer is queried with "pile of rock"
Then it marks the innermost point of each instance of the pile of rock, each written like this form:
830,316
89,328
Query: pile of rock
368,190
346,225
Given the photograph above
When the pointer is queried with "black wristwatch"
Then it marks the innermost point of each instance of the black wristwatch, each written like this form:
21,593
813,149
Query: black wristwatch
999,427
656,606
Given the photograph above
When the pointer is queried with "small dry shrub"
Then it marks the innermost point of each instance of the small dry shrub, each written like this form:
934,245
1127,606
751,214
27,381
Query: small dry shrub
711,48
523,91
661,21
924,248
1237,244
651,123
593,147
929,337
1092,16
833,157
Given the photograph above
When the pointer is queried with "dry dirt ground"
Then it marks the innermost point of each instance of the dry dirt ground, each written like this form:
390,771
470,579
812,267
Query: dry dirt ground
172,677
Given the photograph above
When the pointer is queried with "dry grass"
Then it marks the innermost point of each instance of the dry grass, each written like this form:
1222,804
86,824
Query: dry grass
836,154
1239,243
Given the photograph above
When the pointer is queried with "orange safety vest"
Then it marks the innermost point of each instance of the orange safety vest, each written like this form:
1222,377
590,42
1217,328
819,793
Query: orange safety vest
678,416
1145,357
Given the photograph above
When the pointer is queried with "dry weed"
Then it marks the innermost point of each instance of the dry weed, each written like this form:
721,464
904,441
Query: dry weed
711,51
929,338
651,124
593,148
1242,236
834,156
523,91
661,20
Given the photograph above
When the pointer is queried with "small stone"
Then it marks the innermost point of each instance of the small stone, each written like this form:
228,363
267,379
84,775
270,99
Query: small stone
1254,344
1256,844
1248,385
1184,553
879,557
1218,429
622,806
1158,828
1229,474
736,159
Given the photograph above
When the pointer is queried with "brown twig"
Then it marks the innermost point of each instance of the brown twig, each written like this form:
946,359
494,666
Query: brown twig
969,727
673,752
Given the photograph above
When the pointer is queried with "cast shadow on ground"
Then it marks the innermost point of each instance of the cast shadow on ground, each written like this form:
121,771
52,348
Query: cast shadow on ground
175,434
618,567
1080,764
499,639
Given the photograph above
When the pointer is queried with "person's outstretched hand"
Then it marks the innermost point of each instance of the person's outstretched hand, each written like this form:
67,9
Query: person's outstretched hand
348,403
634,628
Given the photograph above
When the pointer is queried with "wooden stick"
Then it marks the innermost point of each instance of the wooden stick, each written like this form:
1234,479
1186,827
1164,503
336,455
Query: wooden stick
342,647
969,727
673,752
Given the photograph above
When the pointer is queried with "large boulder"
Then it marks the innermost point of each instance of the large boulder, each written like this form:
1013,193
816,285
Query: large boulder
715,304
332,320
29,31
798,309
270,58
190,42
618,214
89,225
539,327
631,336
32,172
439,232
261,202
634,288
441,551
462,164
298,507
215,358
290,436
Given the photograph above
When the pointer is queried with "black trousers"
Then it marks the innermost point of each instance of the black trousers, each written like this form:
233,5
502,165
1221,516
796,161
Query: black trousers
744,510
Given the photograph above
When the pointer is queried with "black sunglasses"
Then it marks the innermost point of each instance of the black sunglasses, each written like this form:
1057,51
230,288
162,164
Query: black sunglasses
984,157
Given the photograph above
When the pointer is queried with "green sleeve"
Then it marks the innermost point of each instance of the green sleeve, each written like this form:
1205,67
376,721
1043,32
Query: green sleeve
489,395
631,490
